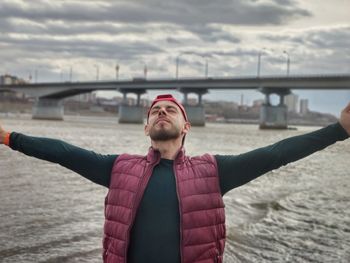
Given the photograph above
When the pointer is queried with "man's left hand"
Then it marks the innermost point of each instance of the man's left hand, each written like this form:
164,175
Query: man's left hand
345,118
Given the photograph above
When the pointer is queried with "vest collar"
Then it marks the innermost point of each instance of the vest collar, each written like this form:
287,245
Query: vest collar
153,155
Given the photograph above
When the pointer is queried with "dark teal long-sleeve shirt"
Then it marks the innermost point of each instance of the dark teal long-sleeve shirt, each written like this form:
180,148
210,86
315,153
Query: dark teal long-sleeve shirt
155,236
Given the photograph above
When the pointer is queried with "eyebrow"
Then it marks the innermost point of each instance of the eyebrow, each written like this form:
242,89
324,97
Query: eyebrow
167,107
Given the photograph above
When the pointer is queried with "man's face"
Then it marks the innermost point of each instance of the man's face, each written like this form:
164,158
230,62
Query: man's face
166,122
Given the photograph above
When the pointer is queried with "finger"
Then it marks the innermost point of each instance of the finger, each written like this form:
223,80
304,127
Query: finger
347,108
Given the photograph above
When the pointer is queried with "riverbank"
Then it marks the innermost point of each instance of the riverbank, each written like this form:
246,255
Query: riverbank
76,108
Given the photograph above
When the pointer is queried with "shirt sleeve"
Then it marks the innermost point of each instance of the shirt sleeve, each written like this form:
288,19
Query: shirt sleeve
237,170
93,166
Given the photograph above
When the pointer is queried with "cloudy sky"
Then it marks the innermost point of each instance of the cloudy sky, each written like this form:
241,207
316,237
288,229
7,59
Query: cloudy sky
48,39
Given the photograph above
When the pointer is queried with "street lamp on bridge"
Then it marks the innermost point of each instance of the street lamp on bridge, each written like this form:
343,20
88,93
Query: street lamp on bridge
259,62
35,75
70,73
177,64
206,66
145,70
288,61
97,72
117,71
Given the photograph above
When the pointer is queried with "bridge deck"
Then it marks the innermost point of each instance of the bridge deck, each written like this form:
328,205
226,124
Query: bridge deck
66,89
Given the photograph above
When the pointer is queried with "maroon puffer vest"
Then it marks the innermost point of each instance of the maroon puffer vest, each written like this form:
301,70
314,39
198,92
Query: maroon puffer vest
202,214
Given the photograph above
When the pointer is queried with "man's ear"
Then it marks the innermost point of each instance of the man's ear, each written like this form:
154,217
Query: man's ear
186,128
146,129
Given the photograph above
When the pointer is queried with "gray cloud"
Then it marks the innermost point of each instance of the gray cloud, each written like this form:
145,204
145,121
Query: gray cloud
71,28
211,34
41,22
214,53
204,32
333,38
80,48
158,30
325,38
180,12
172,40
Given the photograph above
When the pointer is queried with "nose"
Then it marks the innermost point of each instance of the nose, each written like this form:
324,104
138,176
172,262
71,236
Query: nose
161,112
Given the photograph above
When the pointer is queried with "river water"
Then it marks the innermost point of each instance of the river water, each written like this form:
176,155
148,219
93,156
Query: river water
298,213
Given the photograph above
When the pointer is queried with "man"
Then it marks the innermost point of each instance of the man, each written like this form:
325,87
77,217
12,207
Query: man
169,189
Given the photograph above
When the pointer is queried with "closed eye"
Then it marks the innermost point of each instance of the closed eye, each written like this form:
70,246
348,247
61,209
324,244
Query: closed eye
154,110
171,109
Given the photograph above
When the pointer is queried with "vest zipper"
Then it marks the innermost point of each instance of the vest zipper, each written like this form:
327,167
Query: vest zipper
142,185
180,209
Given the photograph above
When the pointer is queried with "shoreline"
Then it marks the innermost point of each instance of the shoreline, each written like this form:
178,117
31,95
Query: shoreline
15,109
104,118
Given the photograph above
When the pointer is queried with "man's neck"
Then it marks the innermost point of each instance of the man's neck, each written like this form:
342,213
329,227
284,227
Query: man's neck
168,149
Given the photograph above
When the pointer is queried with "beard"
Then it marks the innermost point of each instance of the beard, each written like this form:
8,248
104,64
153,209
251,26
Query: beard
164,134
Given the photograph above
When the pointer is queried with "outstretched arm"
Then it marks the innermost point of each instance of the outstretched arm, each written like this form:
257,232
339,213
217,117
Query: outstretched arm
238,170
93,166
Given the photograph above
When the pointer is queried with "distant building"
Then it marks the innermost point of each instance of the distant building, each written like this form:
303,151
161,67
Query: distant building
192,101
144,103
86,97
291,101
258,103
9,79
304,106
211,117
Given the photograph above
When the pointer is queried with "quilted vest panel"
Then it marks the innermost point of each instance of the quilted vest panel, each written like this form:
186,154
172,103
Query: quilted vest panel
202,215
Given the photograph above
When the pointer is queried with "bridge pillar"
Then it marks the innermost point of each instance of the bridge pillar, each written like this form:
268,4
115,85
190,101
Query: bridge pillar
273,116
195,113
48,109
131,113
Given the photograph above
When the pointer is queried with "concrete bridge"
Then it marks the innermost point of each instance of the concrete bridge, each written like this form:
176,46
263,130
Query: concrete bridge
49,96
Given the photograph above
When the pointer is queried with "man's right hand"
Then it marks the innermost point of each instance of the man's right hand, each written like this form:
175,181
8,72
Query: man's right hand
2,134
345,118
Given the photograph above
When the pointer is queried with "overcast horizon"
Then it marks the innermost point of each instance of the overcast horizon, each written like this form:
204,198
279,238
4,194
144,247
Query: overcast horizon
83,40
